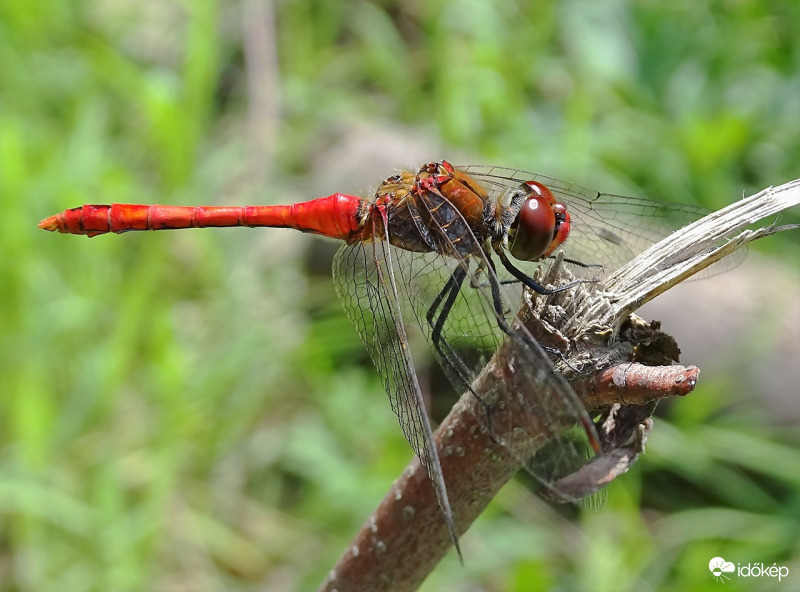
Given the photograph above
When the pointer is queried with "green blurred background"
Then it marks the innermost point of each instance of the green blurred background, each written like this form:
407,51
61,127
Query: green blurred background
192,411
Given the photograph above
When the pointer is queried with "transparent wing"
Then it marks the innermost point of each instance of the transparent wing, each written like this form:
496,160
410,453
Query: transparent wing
468,318
607,230
469,333
364,275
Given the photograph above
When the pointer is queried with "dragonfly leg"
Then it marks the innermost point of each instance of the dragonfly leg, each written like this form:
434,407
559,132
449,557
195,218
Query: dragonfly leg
476,284
451,289
579,263
528,281
446,298
503,324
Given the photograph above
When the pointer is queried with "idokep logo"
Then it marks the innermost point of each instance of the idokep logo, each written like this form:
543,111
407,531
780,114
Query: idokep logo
719,569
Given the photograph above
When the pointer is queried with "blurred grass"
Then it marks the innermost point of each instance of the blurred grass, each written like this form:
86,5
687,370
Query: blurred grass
178,410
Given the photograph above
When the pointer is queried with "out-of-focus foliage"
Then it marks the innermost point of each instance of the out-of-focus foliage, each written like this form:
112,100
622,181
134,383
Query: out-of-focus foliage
192,411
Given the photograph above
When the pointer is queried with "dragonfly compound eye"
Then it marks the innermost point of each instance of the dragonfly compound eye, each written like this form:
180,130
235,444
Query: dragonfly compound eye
541,225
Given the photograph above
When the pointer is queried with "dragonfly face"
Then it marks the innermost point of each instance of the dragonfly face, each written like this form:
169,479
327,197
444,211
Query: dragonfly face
540,225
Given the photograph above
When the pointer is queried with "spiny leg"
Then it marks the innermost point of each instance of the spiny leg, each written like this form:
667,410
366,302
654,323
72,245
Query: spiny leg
497,302
579,263
448,294
451,289
527,280
536,287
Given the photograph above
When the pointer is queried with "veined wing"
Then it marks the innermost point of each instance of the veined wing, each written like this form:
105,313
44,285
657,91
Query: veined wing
366,282
607,229
463,309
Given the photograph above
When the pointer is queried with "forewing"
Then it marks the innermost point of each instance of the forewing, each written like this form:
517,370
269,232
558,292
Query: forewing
465,337
470,333
364,275
607,230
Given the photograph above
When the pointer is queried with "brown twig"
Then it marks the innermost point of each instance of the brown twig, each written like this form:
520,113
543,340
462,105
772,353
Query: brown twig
405,537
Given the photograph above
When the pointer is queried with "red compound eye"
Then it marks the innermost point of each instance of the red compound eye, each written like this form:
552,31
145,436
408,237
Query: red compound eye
541,225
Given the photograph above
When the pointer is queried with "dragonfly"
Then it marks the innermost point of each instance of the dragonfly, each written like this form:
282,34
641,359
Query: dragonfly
446,248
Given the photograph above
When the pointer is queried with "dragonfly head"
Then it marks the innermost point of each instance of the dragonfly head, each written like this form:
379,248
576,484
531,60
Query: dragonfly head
540,226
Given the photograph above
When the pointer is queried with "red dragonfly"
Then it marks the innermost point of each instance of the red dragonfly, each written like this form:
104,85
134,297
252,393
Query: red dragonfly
426,248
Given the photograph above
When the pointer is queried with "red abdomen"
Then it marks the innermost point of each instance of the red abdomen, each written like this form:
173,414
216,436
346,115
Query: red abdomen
337,216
